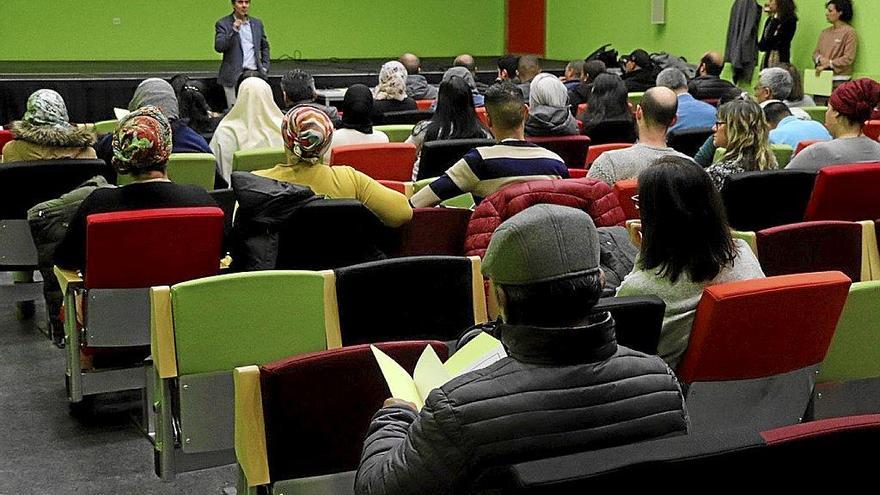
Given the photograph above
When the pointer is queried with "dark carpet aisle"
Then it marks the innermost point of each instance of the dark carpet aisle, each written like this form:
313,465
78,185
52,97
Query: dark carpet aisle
46,450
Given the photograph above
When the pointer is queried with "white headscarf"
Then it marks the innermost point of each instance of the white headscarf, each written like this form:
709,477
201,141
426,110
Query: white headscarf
253,122
547,90
392,82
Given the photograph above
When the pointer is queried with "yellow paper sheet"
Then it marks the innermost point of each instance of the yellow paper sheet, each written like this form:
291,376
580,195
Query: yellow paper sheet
818,85
429,373
480,352
399,382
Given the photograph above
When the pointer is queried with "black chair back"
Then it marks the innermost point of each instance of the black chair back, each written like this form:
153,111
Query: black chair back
612,131
24,184
225,199
688,141
757,200
437,156
637,320
404,117
572,149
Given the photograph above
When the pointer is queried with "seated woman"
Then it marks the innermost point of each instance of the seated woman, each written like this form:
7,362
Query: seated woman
797,98
195,111
307,132
608,118
45,133
357,125
743,131
455,118
254,122
849,107
390,94
548,108
141,147
678,205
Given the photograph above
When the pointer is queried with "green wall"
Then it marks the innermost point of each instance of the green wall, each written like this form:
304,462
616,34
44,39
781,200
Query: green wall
184,29
577,27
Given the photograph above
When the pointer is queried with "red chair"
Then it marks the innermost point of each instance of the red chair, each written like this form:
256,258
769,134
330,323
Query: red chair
581,110
598,149
483,115
404,188
625,190
811,247
712,101
872,129
434,231
755,347
572,149
846,192
577,173
386,161
805,143
5,137
308,415
127,253
425,105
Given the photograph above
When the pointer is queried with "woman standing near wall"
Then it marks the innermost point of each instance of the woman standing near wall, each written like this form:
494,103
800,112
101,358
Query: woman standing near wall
836,49
778,32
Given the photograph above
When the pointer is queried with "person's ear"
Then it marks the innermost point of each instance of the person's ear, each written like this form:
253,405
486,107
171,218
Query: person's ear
639,114
525,111
673,121
602,278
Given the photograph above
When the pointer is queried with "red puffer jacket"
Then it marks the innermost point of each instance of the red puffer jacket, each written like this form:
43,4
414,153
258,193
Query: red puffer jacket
590,195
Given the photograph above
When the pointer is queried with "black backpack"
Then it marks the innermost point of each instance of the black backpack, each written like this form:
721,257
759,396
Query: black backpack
606,56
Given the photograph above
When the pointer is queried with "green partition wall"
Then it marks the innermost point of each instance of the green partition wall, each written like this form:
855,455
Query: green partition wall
577,27
184,29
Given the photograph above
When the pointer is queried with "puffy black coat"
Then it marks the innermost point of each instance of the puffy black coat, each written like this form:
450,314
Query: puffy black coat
561,390
709,87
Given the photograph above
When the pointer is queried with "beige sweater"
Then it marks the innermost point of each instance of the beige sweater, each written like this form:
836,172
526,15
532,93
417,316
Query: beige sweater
840,45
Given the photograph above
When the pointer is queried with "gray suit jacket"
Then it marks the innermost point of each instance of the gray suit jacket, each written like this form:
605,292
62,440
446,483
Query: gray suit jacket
227,42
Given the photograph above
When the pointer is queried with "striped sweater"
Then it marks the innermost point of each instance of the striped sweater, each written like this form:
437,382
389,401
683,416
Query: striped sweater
484,170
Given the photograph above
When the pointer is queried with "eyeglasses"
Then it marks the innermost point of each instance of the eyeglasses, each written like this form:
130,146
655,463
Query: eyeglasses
635,200
719,123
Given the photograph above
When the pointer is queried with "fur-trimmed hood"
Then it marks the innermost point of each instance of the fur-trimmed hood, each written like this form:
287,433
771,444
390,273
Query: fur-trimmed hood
50,135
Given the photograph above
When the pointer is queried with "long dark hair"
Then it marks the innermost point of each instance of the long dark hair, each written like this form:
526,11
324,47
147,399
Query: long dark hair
608,100
786,9
455,117
684,226
194,106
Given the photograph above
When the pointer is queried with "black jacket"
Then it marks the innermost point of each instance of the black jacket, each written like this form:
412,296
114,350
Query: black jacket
640,80
777,36
561,390
703,87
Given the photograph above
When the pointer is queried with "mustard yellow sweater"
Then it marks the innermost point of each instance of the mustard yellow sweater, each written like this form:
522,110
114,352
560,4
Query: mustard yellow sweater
345,182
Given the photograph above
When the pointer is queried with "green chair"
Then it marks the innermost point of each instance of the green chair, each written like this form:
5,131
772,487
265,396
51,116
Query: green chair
105,126
397,133
849,378
203,329
816,113
257,159
465,200
187,168
635,98
719,152
783,154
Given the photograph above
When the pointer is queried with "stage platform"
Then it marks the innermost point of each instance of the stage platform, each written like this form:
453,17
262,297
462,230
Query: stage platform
92,89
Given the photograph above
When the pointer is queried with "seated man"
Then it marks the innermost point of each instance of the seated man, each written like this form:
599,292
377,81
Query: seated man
580,93
529,67
574,73
468,62
141,147
507,67
654,116
692,113
708,83
774,84
785,128
639,73
417,86
566,386
298,88
484,170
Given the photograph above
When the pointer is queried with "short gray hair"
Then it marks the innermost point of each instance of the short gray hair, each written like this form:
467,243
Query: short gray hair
778,81
672,78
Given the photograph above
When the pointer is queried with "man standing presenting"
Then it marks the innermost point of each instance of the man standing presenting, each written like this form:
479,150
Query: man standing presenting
242,41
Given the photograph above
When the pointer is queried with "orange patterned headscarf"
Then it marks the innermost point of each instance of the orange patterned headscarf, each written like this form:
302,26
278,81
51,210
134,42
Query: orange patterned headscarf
307,133
142,140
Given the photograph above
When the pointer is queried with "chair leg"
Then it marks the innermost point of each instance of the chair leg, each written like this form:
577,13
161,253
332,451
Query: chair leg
72,345
24,310
164,444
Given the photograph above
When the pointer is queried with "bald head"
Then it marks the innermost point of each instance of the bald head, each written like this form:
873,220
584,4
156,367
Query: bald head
529,67
659,107
711,64
411,62
466,61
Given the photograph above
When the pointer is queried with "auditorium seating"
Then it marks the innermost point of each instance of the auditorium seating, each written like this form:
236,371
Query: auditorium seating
597,149
105,126
422,297
572,149
816,113
872,129
758,200
126,253
625,190
483,116
202,329
849,378
405,188
610,132
386,161
635,98
425,105
812,247
751,363
300,422
846,192
637,320
397,133
465,200
688,141
5,137
433,231
257,159
437,156
783,153
804,144
197,169
404,117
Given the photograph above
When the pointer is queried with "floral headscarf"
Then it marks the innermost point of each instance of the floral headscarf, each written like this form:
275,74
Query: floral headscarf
142,140
307,133
46,108
392,82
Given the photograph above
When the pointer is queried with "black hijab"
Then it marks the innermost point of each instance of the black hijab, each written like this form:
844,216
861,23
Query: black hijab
356,109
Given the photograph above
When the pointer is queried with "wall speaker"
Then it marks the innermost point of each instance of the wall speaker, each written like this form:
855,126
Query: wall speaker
658,11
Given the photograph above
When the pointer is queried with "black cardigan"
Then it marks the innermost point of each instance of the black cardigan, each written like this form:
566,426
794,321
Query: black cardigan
777,35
